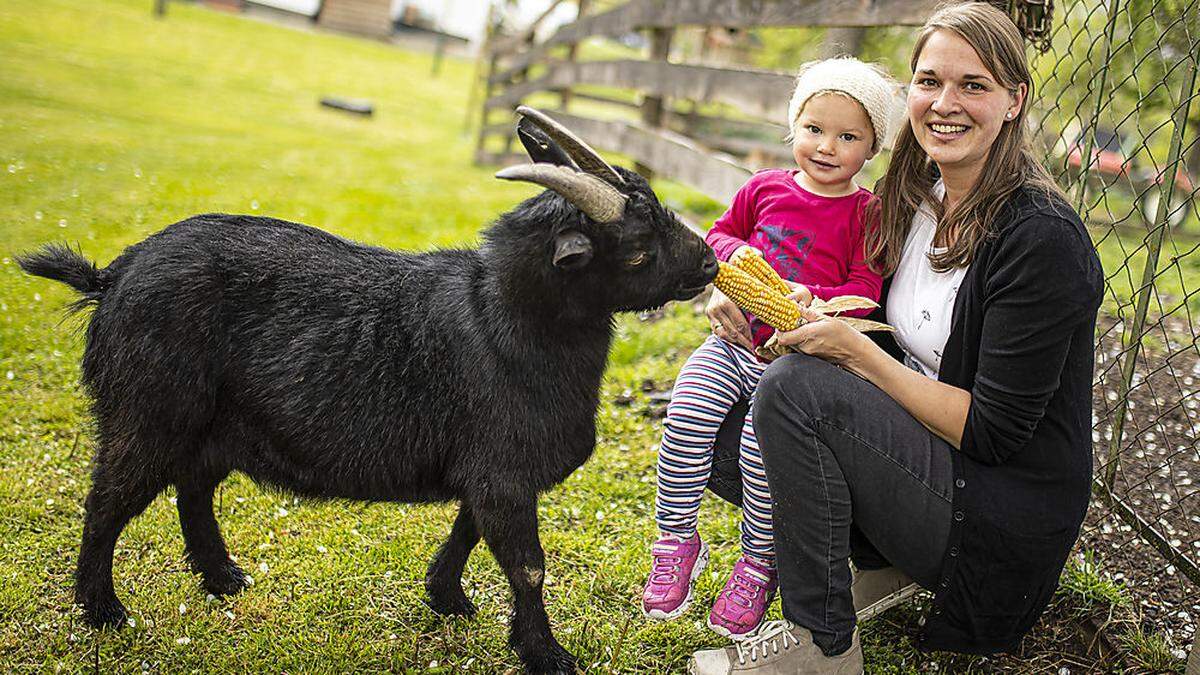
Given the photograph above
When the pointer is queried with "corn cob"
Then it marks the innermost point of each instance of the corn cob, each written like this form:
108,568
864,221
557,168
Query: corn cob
756,297
751,260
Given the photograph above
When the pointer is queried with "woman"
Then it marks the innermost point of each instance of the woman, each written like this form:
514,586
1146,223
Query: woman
967,466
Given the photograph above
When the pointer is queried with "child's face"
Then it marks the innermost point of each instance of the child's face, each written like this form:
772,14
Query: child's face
832,140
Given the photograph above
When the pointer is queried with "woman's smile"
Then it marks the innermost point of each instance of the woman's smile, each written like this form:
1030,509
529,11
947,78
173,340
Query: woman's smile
946,131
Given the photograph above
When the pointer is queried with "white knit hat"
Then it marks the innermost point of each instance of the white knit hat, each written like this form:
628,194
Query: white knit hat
865,83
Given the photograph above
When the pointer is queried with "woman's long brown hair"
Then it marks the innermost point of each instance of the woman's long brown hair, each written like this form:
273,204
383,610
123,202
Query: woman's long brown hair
1011,163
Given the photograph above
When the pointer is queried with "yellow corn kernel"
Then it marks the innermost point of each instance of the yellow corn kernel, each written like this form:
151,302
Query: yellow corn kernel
757,298
751,260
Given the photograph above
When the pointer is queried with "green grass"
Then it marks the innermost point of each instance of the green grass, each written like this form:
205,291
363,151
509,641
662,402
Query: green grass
1088,587
113,125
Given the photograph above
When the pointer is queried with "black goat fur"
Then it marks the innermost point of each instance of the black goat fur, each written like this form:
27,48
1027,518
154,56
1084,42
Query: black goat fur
338,370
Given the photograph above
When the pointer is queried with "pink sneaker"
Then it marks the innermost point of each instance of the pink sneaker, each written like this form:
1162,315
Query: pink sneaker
743,602
676,565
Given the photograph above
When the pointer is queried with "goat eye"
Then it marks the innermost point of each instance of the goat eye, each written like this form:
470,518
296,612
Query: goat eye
638,259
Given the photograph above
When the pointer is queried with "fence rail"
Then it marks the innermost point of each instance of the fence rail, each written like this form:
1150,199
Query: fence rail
1116,112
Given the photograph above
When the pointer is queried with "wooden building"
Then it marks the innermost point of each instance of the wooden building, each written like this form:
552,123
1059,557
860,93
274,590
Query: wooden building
363,17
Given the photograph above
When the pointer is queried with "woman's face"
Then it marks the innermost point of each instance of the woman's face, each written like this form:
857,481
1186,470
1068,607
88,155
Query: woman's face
956,106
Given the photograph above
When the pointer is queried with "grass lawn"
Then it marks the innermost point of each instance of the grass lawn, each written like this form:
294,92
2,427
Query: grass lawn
113,125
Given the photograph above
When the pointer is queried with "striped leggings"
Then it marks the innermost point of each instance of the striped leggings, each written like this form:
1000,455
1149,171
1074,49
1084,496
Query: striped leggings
715,377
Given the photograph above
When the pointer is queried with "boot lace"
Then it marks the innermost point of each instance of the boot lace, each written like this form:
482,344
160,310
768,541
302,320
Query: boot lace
665,567
743,590
769,639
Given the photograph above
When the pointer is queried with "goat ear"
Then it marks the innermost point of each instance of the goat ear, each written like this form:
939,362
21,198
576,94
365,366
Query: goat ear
572,250
539,145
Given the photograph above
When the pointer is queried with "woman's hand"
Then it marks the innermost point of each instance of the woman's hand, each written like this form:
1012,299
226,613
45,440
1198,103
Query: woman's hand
727,321
829,339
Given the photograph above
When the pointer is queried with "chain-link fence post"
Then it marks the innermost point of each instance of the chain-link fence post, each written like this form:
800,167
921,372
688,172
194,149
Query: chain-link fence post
1089,140
1132,338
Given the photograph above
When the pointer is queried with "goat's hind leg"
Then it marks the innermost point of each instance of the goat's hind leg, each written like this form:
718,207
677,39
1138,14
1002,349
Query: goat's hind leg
443,581
123,485
202,537
509,526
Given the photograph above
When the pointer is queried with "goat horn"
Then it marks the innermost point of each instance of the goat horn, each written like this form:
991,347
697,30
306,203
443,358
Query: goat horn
600,201
583,154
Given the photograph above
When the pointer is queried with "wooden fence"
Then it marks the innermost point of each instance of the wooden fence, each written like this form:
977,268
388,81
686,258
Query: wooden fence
712,153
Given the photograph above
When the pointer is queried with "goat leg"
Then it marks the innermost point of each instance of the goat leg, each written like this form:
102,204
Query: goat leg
509,526
121,489
443,581
202,537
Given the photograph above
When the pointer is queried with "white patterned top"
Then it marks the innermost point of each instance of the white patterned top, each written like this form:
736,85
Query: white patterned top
921,301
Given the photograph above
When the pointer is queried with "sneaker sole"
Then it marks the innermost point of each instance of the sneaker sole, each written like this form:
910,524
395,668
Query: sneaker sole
887,602
725,632
658,614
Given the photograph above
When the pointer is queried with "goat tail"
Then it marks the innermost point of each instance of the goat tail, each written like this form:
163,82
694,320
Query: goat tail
62,263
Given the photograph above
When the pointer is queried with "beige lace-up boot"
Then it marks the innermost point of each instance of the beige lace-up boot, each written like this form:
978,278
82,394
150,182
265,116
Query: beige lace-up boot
777,648
876,591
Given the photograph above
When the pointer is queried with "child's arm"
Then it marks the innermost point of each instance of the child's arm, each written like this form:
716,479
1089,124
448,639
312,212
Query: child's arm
860,280
732,230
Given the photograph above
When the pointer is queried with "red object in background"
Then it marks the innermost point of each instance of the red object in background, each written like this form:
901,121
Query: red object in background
1110,159
1108,154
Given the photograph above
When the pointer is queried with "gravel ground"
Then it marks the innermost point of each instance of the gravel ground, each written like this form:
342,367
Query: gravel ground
1157,475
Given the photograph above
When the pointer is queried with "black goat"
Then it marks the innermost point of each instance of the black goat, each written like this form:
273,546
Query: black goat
336,370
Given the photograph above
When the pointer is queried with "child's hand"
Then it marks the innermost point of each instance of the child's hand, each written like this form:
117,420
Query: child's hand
749,250
800,293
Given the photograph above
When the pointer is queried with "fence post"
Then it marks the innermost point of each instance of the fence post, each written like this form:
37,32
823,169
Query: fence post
652,106
572,52
489,47
1193,664
160,8
843,41
1089,132
1133,332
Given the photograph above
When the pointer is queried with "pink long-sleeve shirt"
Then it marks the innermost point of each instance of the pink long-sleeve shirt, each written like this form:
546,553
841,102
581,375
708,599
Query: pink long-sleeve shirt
813,240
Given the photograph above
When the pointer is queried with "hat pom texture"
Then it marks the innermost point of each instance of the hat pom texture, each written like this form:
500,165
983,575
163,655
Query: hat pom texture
866,83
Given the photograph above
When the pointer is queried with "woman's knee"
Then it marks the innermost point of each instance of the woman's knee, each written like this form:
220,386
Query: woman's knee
791,381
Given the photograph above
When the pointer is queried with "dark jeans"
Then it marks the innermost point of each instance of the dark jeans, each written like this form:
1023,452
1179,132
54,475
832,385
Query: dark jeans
852,476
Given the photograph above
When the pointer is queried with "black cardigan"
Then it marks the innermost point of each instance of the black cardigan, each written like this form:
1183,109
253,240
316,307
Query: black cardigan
1021,341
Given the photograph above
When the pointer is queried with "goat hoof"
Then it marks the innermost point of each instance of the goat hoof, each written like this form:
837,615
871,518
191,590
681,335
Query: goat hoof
553,660
450,602
108,613
224,579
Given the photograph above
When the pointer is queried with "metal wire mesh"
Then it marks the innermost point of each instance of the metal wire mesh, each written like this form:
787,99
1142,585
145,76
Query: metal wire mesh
1120,121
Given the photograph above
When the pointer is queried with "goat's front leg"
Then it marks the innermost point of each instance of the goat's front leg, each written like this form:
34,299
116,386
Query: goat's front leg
443,581
509,526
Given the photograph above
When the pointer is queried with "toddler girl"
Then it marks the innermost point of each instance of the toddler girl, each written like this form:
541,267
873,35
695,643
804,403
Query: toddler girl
808,224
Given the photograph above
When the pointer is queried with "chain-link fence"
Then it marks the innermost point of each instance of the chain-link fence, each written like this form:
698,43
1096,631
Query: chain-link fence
1120,121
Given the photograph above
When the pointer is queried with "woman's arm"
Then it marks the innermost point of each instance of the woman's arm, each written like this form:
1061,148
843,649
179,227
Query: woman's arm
942,408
